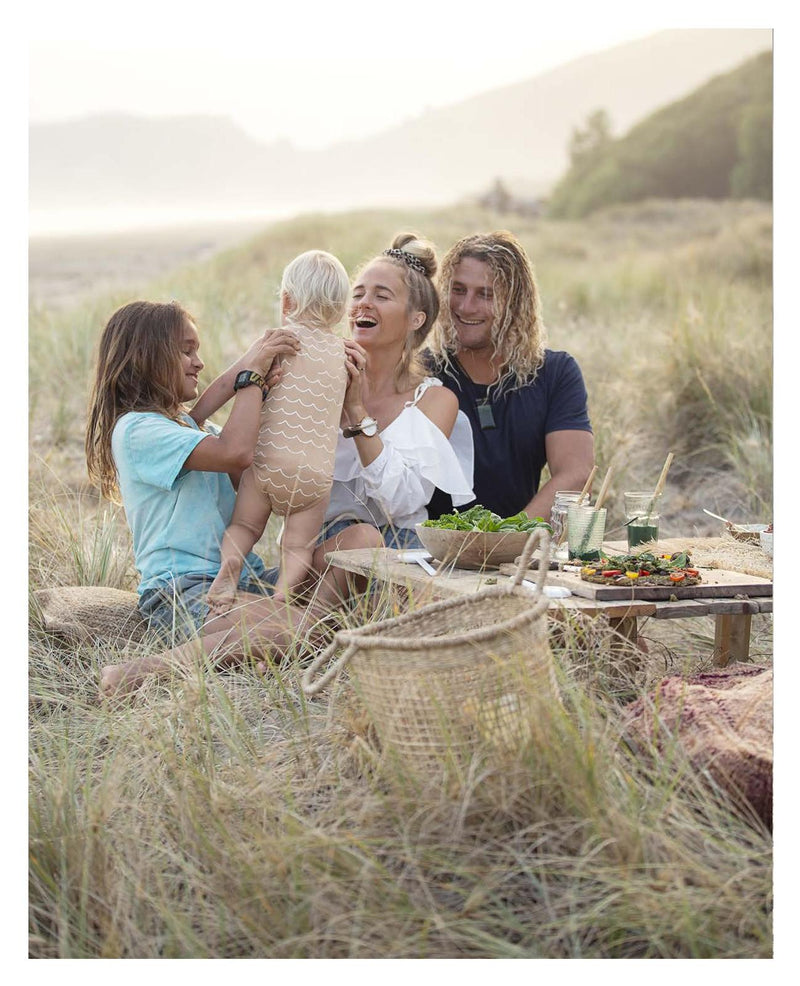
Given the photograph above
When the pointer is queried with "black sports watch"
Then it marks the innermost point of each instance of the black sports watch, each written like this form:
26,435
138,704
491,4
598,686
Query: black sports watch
247,378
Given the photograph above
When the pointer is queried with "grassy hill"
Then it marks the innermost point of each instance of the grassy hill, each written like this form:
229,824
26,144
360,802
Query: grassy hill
118,161
716,143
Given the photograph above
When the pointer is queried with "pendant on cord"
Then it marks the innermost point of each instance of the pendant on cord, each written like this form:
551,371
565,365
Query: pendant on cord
485,416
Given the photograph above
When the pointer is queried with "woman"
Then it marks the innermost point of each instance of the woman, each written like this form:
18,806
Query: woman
176,478
405,435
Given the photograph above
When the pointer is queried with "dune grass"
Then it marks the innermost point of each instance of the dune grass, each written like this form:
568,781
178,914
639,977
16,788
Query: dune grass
223,816
227,815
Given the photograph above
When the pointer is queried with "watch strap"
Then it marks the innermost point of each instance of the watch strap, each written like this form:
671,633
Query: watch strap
248,378
358,429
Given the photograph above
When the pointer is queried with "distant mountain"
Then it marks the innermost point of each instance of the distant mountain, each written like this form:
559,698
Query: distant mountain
518,131
715,143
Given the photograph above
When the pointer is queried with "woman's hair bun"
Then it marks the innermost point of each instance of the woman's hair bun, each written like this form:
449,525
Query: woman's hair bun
419,248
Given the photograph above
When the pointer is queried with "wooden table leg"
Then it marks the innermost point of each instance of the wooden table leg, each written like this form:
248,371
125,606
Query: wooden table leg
624,643
731,638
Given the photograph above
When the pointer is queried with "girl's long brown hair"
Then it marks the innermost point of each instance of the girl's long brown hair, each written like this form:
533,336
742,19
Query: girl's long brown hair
138,369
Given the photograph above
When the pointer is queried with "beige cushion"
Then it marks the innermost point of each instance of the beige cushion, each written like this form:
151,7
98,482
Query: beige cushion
723,720
89,613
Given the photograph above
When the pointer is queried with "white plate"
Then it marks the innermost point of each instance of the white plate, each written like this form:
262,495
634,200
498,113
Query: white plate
551,591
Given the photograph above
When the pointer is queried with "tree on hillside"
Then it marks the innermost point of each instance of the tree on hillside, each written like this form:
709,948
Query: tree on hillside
714,143
751,178
587,142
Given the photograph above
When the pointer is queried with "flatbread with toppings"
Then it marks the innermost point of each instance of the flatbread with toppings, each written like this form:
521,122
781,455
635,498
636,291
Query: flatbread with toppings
644,569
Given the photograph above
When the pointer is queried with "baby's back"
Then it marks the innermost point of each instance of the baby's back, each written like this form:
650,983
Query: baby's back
296,446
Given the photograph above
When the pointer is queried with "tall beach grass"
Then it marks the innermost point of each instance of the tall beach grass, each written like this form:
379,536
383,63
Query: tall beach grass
227,815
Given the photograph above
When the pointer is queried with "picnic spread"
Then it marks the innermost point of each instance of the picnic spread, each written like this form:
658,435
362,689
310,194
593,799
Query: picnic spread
728,577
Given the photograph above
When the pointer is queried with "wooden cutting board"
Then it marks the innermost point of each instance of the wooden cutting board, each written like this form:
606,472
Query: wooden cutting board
716,583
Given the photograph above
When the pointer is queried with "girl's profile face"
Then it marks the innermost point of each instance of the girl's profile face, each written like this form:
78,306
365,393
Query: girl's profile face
190,362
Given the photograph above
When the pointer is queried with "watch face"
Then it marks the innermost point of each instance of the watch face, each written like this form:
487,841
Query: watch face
246,377
370,429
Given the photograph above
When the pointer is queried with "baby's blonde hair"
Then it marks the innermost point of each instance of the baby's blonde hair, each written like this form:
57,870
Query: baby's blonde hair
317,287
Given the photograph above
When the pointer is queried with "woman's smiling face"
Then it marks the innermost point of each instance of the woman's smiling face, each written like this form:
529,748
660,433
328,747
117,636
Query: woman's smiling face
379,313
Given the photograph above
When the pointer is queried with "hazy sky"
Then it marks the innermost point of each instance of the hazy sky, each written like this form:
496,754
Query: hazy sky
310,73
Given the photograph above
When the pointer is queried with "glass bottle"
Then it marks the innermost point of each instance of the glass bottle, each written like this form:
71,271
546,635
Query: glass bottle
558,513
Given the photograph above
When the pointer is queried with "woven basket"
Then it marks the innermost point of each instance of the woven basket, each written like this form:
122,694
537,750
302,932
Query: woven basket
90,613
453,675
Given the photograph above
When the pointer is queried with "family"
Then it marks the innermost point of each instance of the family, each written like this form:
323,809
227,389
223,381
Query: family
351,441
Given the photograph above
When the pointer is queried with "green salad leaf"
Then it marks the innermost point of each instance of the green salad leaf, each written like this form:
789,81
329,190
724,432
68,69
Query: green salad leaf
478,518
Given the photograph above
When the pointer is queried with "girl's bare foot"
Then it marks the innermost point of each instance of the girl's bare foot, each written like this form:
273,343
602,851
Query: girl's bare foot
117,680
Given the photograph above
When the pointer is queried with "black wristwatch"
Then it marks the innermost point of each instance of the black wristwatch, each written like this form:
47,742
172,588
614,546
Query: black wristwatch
248,378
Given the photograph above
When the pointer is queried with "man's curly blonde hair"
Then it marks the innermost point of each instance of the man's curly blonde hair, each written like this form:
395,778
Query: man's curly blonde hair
518,334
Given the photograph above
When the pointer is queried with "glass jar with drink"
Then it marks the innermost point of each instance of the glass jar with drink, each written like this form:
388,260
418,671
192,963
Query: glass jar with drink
641,517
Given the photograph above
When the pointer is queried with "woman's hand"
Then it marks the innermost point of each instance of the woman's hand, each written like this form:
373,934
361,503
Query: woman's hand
355,353
353,405
274,376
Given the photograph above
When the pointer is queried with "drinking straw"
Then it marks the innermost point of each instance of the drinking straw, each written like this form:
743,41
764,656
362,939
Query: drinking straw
587,537
660,484
604,488
583,494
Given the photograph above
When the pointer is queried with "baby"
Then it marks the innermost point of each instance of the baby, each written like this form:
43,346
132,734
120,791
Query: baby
292,469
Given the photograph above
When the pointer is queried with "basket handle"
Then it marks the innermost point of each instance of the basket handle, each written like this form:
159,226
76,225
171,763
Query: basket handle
312,687
538,534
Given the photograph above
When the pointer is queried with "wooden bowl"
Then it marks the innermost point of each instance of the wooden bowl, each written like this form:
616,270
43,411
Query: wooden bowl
473,549
748,533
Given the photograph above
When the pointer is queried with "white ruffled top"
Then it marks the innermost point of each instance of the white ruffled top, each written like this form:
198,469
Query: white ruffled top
416,457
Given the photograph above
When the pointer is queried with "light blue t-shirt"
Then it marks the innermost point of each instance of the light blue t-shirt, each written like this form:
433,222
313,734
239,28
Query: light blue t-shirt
177,516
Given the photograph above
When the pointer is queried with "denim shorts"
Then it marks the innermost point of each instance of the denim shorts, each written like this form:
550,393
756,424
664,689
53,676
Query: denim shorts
177,609
393,537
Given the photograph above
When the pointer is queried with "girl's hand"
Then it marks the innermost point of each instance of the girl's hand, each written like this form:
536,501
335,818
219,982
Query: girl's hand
274,342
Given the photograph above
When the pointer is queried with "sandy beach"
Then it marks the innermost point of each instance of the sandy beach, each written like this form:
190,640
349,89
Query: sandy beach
66,269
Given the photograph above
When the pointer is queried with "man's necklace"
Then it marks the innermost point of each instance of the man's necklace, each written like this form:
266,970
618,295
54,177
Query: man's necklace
484,408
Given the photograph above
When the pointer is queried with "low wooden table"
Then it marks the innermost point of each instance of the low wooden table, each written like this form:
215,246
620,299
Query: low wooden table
733,612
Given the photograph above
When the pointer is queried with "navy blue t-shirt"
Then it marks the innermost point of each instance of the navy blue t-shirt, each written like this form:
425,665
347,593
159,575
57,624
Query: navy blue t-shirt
509,457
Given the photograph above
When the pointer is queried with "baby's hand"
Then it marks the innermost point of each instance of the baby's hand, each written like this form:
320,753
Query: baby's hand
220,599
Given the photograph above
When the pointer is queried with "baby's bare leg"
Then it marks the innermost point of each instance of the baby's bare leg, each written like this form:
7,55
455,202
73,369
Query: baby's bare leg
250,515
299,538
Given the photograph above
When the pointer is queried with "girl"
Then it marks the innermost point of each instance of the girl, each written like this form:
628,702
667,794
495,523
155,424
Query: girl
176,480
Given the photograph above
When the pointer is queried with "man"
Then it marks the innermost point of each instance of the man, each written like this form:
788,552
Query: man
527,404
